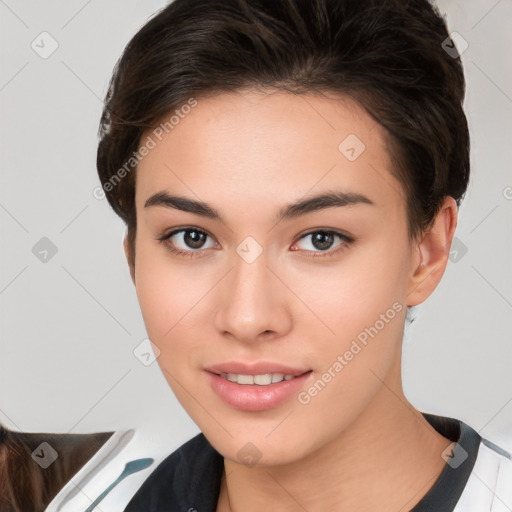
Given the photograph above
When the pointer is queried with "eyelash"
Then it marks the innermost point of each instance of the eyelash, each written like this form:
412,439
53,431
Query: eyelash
346,241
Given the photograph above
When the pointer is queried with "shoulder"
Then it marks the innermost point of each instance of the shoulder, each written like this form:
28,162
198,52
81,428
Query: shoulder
187,479
129,466
489,485
115,472
476,476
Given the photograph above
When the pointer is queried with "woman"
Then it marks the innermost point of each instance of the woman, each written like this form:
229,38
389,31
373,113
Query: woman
290,174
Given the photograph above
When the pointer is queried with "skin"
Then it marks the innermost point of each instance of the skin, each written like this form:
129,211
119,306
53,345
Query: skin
358,444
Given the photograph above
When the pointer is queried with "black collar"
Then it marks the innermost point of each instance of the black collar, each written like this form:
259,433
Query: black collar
447,489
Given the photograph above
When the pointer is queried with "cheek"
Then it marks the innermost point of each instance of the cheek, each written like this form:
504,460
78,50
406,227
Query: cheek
361,305
156,293
351,294
172,299
162,292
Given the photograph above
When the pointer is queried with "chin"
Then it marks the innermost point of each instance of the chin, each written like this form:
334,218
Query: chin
260,451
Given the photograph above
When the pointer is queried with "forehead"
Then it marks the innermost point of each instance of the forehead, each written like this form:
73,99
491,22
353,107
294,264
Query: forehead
271,147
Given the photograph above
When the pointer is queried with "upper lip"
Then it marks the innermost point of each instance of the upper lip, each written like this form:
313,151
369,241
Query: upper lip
259,368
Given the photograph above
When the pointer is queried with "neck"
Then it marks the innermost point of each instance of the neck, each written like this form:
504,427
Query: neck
386,460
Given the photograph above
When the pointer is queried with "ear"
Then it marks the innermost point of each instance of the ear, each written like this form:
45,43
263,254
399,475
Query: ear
130,258
431,252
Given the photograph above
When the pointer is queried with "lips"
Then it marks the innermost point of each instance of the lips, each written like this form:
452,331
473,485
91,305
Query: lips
241,394
260,368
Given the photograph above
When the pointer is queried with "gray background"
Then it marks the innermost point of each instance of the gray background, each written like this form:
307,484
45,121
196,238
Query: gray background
69,325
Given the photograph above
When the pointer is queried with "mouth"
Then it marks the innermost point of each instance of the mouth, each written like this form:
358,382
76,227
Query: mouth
256,387
263,379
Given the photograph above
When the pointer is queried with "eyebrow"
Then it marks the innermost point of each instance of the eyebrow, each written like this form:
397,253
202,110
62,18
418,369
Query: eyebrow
293,210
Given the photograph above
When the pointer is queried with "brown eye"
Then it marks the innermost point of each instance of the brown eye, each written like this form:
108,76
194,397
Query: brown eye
186,241
321,241
194,238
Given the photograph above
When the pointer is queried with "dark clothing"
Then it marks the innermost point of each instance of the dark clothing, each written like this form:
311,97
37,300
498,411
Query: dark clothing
189,479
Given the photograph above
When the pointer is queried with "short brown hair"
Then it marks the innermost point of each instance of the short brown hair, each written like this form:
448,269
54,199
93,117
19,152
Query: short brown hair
386,54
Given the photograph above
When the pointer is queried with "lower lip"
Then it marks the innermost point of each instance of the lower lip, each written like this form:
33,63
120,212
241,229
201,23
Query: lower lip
253,397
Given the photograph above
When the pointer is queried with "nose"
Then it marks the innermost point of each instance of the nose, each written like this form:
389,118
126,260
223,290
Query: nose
254,303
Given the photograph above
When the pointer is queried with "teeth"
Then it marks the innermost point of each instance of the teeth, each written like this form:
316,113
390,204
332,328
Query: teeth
261,380
245,379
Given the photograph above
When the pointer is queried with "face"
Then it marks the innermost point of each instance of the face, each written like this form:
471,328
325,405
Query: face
244,284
